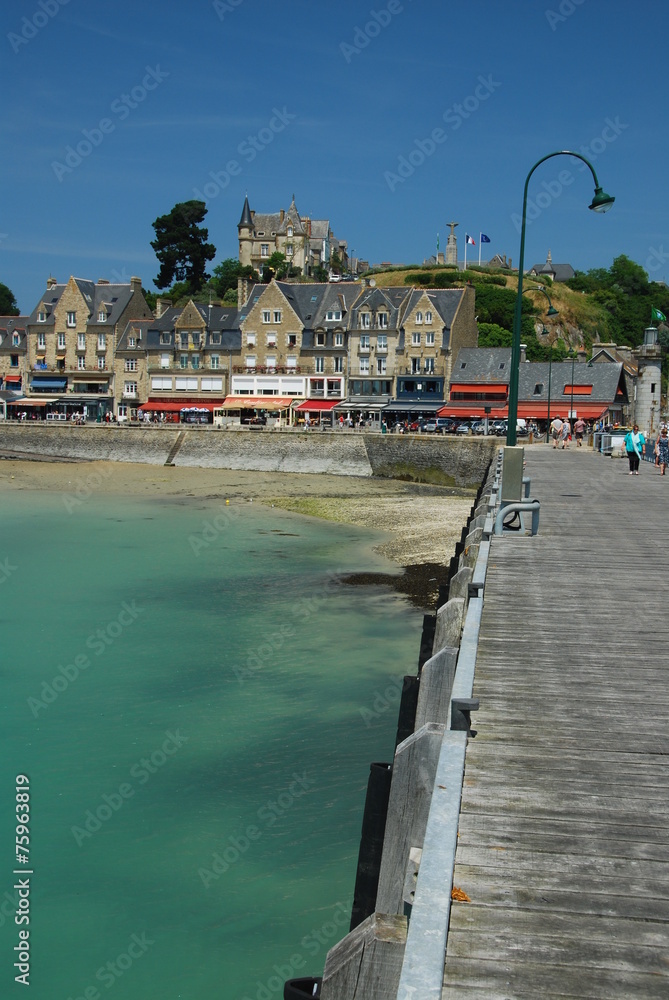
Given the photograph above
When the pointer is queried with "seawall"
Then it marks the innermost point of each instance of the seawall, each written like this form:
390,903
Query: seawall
435,459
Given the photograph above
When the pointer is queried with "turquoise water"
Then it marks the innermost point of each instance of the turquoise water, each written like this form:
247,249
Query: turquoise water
182,683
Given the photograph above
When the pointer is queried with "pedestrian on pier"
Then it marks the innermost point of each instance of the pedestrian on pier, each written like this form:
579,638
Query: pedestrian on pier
634,442
566,433
579,431
662,448
556,430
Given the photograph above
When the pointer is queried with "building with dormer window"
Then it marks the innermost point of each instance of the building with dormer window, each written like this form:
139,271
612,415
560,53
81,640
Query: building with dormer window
306,243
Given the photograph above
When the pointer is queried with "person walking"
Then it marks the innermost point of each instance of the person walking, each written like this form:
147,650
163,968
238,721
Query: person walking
662,449
579,431
566,433
634,442
556,430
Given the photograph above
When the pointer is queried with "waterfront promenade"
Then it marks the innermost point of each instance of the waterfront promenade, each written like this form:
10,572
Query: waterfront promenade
563,846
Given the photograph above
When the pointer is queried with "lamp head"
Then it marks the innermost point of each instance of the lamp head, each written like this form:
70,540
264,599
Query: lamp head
602,201
552,311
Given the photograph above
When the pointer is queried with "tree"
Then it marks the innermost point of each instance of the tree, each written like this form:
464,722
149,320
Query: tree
225,275
493,335
8,306
180,246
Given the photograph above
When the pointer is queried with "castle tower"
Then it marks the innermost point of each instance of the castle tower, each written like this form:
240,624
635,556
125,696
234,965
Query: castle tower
245,230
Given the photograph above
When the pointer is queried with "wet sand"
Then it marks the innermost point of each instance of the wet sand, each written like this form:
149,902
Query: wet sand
422,523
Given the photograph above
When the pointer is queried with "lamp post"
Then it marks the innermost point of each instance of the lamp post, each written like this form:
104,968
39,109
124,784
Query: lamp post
571,405
601,202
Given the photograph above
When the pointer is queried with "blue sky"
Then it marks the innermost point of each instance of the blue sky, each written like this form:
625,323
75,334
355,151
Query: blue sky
328,101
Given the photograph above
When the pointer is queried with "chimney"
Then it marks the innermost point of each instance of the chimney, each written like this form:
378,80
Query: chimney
51,282
582,354
242,292
103,281
523,355
282,215
136,284
162,305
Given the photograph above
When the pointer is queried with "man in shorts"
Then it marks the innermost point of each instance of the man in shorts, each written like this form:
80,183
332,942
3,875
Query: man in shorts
556,430
579,431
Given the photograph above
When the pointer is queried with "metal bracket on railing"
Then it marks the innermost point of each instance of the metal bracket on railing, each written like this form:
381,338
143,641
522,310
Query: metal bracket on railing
502,526
461,714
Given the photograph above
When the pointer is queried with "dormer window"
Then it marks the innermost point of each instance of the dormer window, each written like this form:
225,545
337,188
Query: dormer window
41,317
538,389
382,321
320,340
15,339
365,320
215,338
289,231
502,365
102,316
165,338
131,341
333,316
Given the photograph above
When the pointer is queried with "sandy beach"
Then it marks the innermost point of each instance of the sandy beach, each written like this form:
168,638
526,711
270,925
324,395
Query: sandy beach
422,523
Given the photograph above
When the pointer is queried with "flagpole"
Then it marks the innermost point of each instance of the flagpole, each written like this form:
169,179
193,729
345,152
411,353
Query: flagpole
480,235
466,241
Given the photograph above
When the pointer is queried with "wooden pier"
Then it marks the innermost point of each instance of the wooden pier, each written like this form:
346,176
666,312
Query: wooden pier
563,845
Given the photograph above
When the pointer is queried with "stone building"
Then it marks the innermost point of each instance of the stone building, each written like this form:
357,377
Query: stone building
307,243
71,341
13,351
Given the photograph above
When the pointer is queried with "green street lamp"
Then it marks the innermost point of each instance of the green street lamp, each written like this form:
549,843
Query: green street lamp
601,202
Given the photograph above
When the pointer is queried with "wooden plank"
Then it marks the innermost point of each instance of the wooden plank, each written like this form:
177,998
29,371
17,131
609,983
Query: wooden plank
367,962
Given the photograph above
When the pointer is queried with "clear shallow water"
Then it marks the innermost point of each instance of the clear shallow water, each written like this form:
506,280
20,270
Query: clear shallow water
198,767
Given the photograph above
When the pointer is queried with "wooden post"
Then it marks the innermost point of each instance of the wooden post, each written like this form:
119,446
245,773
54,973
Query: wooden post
436,683
367,962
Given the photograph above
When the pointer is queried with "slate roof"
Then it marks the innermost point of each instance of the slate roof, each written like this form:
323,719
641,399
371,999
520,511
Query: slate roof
113,297
444,300
222,321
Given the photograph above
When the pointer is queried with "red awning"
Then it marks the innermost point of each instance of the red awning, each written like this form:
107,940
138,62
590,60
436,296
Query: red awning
30,402
12,378
527,411
316,405
170,406
257,402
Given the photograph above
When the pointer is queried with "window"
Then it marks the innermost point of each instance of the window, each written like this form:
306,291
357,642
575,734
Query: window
130,365
81,341
419,318
364,342
264,249
129,388
270,361
41,341
320,364
165,338
271,339
183,339
317,387
463,364
380,366
382,321
339,364
102,361
289,250
123,411
652,388
415,339
61,341
339,339
195,361
382,342
215,338
215,361
250,340
161,383
365,320
429,366
276,316
195,337
71,319
289,231
102,342
164,361
538,389
266,316
333,315
41,317
364,366
131,341
212,385
428,317
334,387
292,340
429,339
502,365
13,361
186,384
291,361
81,362
415,366
15,339
183,361
320,340
102,316
250,361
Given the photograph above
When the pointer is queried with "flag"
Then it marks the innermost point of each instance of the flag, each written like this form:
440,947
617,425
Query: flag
484,238
657,316
470,240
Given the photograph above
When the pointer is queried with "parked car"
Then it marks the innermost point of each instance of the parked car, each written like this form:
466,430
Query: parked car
417,425
463,428
439,425
478,427
500,428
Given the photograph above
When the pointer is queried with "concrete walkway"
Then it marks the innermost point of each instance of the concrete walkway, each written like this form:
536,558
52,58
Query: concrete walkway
563,844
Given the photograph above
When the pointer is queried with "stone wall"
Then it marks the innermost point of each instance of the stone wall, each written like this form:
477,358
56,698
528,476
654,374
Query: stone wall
442,460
